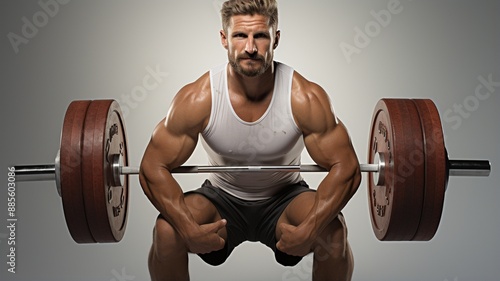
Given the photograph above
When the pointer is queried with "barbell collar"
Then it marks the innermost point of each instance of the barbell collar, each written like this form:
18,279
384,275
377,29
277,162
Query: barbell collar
469,168
45,172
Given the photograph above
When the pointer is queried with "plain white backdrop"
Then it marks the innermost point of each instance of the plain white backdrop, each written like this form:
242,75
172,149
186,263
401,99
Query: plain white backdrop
359,51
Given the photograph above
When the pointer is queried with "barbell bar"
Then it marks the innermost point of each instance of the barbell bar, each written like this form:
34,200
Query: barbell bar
408,170
47,172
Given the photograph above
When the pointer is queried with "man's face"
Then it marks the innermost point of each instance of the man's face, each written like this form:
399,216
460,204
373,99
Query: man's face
250,43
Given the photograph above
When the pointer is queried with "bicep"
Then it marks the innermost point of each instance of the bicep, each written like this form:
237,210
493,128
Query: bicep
168,147
331,147
164,152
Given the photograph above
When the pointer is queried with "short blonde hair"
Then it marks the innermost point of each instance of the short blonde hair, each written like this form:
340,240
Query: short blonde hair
268,8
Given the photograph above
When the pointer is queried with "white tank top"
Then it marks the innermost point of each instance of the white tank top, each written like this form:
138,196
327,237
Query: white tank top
274,139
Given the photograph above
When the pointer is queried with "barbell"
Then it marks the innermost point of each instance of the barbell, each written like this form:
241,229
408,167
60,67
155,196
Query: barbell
408,168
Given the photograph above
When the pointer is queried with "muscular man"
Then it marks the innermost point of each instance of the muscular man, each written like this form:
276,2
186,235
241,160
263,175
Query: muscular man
251,111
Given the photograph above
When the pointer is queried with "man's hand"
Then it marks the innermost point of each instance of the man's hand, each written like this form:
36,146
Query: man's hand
206,239
295,240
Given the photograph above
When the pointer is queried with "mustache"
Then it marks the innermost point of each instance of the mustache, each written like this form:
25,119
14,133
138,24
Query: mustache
253,57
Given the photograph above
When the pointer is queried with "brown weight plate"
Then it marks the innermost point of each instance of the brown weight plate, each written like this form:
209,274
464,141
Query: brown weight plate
70,175
435,170
106,205
396,205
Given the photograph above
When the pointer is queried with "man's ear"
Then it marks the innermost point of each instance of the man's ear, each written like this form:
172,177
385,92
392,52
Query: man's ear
223,39
277,39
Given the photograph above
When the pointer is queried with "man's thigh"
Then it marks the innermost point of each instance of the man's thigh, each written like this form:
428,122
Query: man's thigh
298,209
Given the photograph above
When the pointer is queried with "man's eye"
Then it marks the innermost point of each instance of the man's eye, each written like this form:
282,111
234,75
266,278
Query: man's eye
261,35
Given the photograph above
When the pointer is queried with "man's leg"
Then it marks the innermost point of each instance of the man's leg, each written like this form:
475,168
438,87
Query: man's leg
168,257
333,258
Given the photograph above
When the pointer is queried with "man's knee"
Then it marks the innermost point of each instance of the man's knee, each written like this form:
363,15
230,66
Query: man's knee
166,241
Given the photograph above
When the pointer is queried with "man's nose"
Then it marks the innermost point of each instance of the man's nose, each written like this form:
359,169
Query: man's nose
250,47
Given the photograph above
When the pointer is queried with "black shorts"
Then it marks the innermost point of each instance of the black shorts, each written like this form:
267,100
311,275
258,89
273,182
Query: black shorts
250,220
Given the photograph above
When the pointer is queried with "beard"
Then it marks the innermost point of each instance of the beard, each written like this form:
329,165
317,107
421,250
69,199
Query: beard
252,71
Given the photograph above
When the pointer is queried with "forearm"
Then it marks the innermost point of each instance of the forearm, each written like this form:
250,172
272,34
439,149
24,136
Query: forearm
167,196
333,193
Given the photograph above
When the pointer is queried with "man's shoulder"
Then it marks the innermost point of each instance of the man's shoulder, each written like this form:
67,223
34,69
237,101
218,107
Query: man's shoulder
303,89
196,91
194,99
191,106
311,106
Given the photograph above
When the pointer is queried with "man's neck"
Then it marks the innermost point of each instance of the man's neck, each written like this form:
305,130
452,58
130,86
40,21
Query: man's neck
254,88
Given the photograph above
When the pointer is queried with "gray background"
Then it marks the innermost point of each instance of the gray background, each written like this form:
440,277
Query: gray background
102,49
